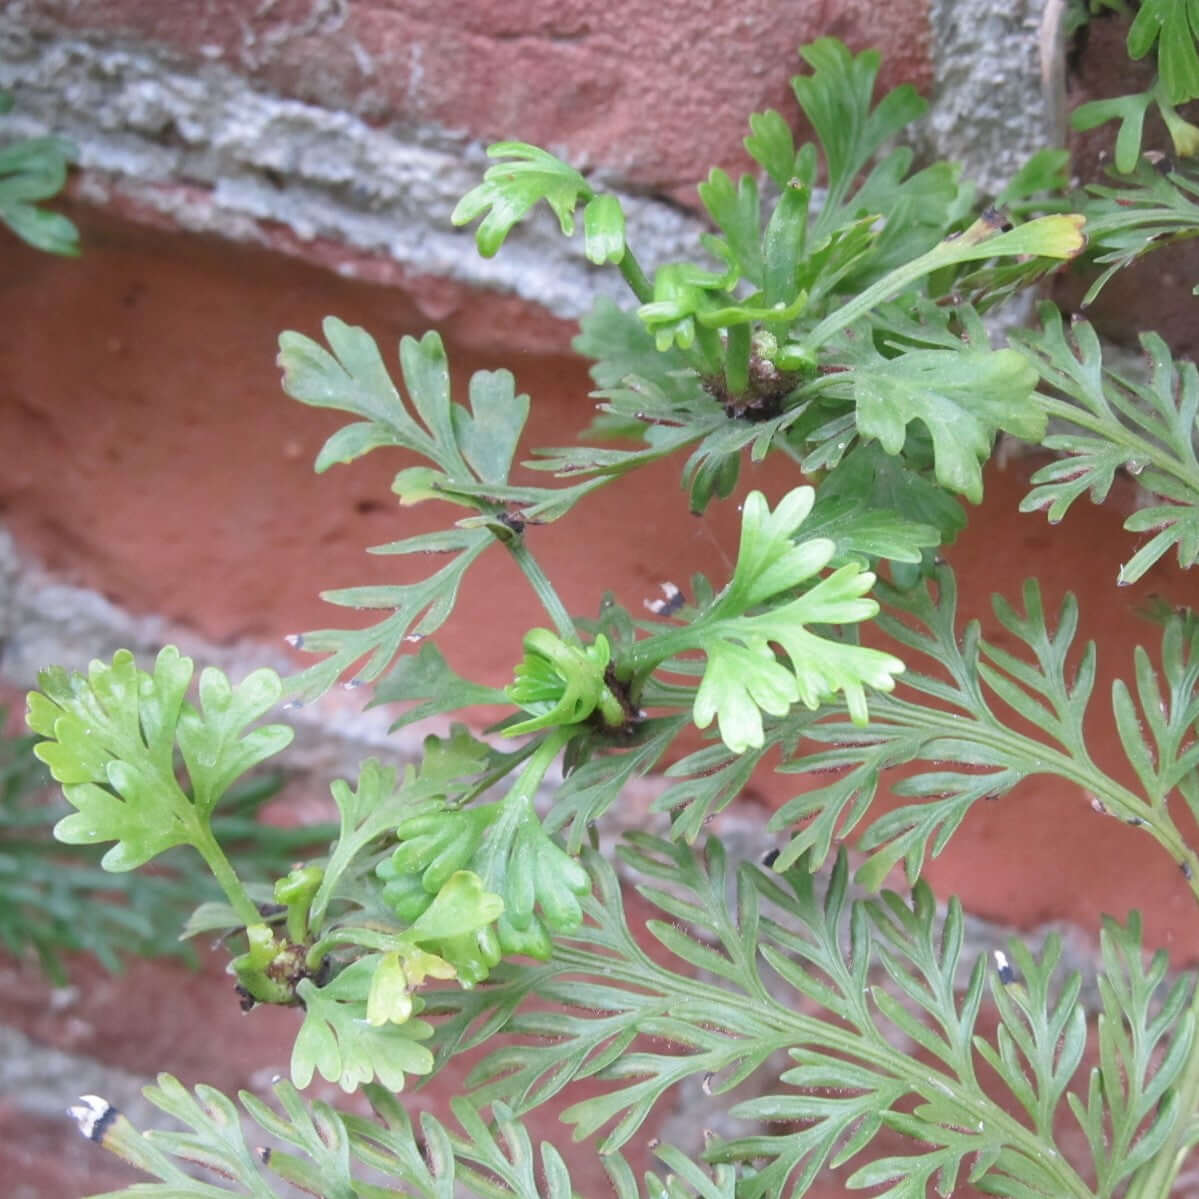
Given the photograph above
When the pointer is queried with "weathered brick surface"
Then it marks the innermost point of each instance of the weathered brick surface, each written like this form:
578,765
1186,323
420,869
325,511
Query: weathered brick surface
159,417
245,124
650,92
157,464
169,403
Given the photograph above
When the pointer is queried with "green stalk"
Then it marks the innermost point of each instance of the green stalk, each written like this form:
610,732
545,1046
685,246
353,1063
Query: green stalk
519,801
1057,236
540,583
297,923
643,289
645,656
517,806
493,776
214,857
707,343
364,938
736,360
634,276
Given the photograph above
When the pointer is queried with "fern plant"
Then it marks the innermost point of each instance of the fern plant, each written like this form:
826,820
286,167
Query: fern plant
840,327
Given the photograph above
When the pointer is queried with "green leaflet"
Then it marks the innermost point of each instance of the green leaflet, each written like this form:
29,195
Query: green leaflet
57,900
1108,421
471,451
383,801
425,676
744,677
512,187
1146,212
1156,727
111,739
1173,25
31,170
1132,1107
368,811
837,98
338,1042
963,399
503,843
418,609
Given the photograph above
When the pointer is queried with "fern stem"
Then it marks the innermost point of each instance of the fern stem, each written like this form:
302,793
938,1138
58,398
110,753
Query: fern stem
214,857
520,798
1139,448
709,349
516,808
540,583
981,240
736,361
634,276
364,938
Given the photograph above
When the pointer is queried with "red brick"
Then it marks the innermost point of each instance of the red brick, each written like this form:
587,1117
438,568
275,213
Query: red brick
569,75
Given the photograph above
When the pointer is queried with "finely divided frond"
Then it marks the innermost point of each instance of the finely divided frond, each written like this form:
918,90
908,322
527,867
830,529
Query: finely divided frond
1145,1033
999,717
1149,428
471,452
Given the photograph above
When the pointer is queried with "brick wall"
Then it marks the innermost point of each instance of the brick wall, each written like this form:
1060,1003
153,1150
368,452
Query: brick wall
246,168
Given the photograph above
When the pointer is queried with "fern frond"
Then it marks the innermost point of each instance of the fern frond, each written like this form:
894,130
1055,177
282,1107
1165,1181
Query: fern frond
1111,421
986,720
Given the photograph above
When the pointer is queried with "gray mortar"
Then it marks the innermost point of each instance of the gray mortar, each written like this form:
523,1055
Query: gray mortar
42,1081
989,111
150,122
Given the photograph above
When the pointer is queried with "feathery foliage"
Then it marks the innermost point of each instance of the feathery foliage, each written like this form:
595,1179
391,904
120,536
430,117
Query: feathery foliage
455,913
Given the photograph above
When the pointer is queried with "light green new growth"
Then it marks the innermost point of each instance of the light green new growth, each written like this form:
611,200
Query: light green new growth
111,740
32,170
